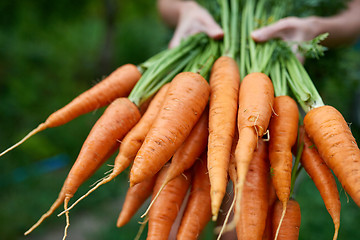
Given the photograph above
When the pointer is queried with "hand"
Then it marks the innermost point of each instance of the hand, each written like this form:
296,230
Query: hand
291,29
194,19
287,29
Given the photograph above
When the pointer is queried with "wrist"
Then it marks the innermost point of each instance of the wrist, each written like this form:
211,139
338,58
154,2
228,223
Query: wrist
341,30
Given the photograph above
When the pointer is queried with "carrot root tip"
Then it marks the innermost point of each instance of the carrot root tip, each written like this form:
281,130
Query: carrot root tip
281,220
66,202
98,184
39,128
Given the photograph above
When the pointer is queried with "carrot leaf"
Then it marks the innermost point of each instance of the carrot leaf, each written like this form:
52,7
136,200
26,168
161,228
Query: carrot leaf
312,48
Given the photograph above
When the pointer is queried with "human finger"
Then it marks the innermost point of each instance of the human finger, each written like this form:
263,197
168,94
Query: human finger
276,30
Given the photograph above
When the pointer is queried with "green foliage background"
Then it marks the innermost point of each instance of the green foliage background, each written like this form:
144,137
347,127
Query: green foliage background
53,50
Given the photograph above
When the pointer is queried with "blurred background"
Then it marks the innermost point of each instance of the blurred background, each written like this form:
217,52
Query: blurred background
50,51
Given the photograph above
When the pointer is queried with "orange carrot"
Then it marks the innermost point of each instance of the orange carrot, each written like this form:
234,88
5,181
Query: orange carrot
190,150
198,209
223,220
134,139
165,209
290,227
267,235
135,197
256,99
272,198
255,199
117,120
185,101
329,131
272,193
224,85
232,163
131,142
283,134
323,179
117,84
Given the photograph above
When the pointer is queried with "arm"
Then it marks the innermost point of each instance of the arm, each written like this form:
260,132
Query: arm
189,18
343,28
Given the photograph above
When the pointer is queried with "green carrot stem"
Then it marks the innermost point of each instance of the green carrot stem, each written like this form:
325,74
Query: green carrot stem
156,75
301,85
152,60
243,43
234,28
225,22
275,75
168,77
251,43
209,58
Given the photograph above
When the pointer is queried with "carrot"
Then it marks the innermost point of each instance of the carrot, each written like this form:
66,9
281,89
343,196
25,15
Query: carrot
272,193
224,84
120,116
291,224
267,235
185,101
194,145
134,139
153,79
118,84
256,99
272,198
232,163
198,209
135,197
283,134
329,131
131,142
165,209
188,152
323,179
255,200
233,176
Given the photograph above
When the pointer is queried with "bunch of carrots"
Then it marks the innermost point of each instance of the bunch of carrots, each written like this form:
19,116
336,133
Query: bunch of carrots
215,111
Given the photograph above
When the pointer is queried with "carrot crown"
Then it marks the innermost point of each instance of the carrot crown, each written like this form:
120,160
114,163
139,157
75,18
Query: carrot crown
204,60
301,85
161,68
255,57
275,57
